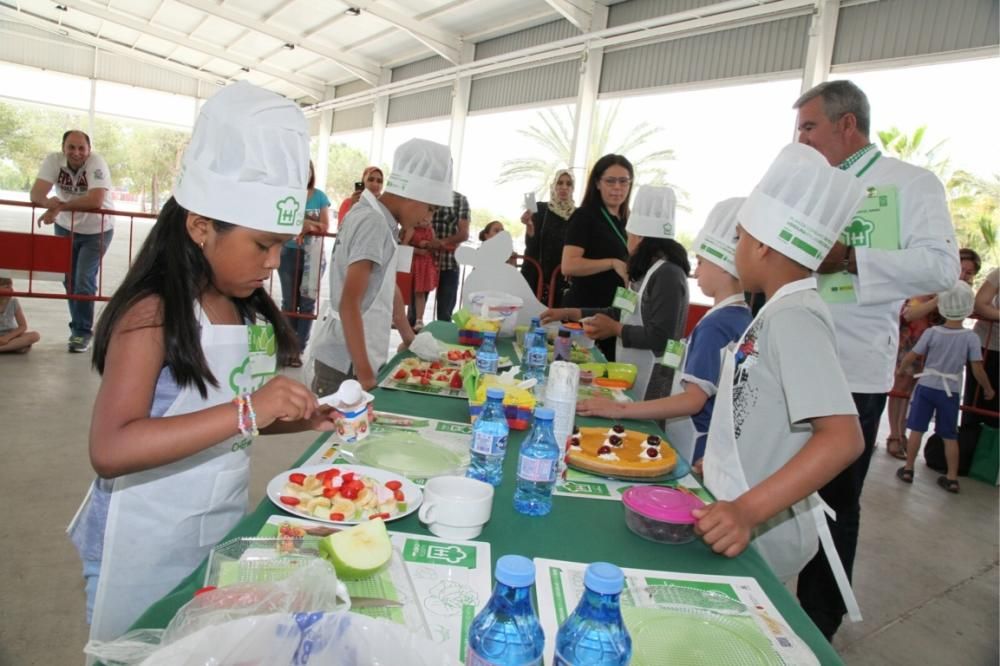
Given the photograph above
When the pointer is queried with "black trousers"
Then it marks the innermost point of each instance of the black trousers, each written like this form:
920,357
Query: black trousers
817,589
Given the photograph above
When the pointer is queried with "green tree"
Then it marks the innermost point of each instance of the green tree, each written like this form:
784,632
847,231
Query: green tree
975,211
910,148
28,134
480,217
344,167
553,131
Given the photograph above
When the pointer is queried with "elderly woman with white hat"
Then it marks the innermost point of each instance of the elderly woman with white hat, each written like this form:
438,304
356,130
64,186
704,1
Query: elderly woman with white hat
688,408
652,312
353,337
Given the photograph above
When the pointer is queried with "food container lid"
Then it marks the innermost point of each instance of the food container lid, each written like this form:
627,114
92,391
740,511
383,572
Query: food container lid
664,504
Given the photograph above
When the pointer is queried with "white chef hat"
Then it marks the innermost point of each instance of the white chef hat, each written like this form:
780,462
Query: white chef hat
957,303
652,212
801,205
248,161
716,242
421,170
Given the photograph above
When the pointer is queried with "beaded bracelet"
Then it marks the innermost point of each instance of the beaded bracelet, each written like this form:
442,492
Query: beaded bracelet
253,416
240,402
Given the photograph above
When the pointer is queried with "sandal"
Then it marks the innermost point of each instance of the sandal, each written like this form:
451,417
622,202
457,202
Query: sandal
898,451
951,485
906,475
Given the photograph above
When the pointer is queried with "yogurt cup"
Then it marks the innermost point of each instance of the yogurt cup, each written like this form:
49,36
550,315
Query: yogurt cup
353,406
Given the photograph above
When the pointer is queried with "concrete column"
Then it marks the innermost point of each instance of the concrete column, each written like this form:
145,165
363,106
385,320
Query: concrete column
819,51
586,102
460,111
323,149
380,115
91,112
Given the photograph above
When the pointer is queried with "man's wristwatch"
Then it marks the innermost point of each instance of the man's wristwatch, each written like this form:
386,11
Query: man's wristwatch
845,263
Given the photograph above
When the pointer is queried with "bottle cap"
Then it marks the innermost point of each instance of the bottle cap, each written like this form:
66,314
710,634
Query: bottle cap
603,578
516,571
544,413
564,333
490,334
495,393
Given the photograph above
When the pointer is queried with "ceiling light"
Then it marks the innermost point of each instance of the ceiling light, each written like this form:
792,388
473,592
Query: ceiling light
353,11
62,8
289,46
245,69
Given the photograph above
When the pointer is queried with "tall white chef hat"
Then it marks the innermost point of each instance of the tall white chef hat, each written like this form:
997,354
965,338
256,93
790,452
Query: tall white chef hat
248,161
653,212
956,303
421,170
716,242
801,205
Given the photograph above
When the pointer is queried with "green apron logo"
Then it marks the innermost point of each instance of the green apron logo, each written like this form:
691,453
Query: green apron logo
858,233
288,211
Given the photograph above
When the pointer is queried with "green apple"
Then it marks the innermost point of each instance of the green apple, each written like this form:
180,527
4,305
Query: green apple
358,552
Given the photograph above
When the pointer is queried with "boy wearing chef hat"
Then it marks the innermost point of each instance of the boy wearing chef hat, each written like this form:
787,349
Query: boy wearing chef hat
784,422
353,339
688,408
945,349
653,311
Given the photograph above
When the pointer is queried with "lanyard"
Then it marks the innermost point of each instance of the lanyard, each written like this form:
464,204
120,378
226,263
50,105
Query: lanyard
870,162
614,227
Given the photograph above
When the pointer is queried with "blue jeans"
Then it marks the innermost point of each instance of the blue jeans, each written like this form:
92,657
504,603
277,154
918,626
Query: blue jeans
86,259
447,293
290,274
817,589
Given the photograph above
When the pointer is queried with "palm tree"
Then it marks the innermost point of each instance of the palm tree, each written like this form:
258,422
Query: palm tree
909,148
975,210
553,132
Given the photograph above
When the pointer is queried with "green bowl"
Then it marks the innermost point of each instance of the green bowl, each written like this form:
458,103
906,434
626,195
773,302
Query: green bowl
623,371
596,368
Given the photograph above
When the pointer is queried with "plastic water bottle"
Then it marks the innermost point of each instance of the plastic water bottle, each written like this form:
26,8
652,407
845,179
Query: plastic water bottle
537,466
594,634
507,632
563,345
487,358
537,359
489,440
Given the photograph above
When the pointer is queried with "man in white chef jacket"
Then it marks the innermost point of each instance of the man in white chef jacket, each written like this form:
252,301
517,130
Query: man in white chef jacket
901,243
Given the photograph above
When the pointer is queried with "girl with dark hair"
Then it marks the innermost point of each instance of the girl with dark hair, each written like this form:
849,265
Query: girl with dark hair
596,249
653,311
188,348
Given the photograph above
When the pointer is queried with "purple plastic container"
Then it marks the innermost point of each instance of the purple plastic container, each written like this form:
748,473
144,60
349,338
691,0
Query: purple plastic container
661,514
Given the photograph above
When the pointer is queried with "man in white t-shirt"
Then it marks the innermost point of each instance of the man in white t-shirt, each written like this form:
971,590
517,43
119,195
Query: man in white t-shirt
82,183
900,243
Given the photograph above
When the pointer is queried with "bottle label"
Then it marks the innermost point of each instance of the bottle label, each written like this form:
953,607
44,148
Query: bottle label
487,444
537,357
487,365
536,469
473,659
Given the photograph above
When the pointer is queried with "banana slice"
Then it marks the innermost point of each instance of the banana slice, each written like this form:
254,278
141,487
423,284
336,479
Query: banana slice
323,502
344,506
366,497
313,485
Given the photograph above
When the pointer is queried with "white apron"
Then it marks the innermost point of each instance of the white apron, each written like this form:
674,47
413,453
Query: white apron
786,543
681,432
162,522
377,318
946,379
644,359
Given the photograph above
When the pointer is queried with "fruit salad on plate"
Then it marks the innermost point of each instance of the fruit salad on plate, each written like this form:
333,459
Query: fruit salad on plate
340,496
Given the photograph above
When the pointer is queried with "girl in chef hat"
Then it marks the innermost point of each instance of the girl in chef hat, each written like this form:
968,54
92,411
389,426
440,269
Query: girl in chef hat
187,349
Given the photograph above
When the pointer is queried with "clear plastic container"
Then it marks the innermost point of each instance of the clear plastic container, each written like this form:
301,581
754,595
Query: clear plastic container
661,514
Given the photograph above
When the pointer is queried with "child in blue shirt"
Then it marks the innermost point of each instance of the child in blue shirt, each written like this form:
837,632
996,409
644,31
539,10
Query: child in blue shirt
945,349
689,405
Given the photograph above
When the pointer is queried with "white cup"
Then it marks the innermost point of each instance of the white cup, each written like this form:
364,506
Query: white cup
456,507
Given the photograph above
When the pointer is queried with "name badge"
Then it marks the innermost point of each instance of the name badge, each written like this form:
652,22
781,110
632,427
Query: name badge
673,355
262,349
625,300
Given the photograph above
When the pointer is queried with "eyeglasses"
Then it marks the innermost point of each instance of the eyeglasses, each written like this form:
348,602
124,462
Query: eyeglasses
616,181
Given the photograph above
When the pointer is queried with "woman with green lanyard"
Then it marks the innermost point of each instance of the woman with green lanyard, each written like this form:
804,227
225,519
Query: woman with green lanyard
596,251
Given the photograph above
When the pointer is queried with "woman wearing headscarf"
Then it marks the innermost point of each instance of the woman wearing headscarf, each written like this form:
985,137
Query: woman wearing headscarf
371,180
545,235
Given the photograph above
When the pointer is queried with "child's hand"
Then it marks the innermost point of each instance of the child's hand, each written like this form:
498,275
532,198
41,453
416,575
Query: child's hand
605,407
724,527
989,393
283,399
601,326
323,419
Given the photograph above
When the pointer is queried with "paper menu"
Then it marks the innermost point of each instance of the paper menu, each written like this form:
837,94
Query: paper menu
744,606
581,484
442,584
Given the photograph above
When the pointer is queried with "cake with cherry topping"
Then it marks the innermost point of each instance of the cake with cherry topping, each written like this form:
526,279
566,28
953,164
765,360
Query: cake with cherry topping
622,453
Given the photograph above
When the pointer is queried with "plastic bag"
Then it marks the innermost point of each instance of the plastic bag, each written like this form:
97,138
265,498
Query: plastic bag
299,620
426,347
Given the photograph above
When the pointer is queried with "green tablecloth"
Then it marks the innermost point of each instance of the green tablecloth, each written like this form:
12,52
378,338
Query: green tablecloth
578,529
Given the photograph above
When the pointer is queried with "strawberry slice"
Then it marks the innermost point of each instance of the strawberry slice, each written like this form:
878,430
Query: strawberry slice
400,374
393,485
336,516
435,365
456,381
297,478
290,501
